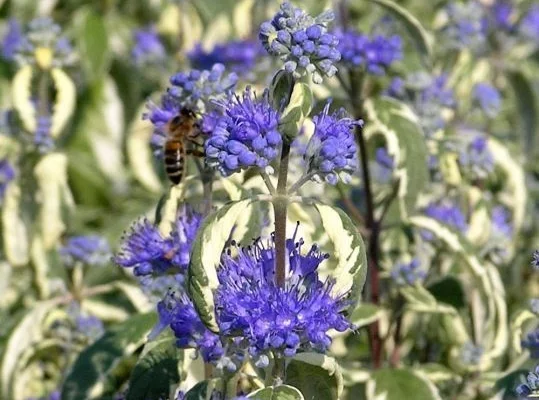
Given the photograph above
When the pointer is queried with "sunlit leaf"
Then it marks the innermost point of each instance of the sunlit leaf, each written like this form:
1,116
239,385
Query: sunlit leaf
527,107
64,102
16,242
22,98
366,314
315,375
92,43
349,251
399,384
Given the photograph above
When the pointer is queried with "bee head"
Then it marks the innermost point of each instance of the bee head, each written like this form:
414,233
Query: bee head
186,112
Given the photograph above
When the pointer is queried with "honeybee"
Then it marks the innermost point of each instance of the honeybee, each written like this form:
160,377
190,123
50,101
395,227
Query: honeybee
181,132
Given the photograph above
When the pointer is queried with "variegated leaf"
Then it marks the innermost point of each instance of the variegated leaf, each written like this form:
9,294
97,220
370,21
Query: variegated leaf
64,103
349,251
399,384
366,314
22,95
326,373
281,392
206,256
405,142
16,243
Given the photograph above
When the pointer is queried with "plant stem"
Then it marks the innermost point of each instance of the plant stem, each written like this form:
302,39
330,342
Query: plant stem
301,181
267,181
278,372
356,83
280,204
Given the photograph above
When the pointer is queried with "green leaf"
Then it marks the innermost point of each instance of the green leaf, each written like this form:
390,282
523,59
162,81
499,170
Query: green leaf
206,256
139,153
316,376
282,392
420,299
509,382
413,27
28,332
92,43
22,98
281,89
64,102
56,198
448,290
517,322
438,373
405,142
16,243
527,107
299,107
156,370
92,369
349,251
366,314
203,390
399,384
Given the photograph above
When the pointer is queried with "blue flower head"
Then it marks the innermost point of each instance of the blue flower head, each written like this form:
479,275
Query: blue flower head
7,174
148,49
375,54
12,40
408,273
466,26
447,213
244,135
475,157
146,250
383,167
42,136
501,221
254,314
502,13
529,26
332,151
87,250
196,89
471,353
488,98
43,34
531,342
301,42
239,56
531,386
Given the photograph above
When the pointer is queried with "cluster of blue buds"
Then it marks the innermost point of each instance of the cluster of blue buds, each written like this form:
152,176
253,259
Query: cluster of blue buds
301,42
42,136
375,54
475,158
239,56
531,342
332,151
471,354
7,174
408,273
535,260
91,250
244,135
148,252
148,49
532,384
501,15
448,213
488,98
466,27
529,26
41,45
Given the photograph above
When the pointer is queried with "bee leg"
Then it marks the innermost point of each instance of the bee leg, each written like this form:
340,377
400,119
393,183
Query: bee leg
196,153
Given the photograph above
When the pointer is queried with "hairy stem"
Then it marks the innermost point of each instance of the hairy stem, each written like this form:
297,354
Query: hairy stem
267,181
280,204
278,372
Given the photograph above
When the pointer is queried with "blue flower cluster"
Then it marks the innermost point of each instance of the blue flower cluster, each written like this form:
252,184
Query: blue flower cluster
7,174
466,27
502,13
195,90
529,25
531,342
501,221
12,40
408,273
42,33
383,166
148,252
148,49
535,260
471,353
254,312
239,56
332,149
427,95
301,42
449,214
244,135
532,384
475,157
86,250
488,98
42,136
375,54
